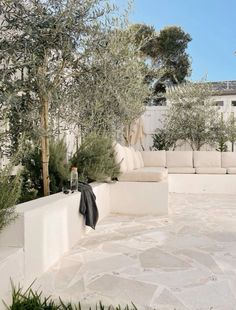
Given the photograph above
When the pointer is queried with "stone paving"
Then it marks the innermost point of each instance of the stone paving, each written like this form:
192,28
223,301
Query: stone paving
181,262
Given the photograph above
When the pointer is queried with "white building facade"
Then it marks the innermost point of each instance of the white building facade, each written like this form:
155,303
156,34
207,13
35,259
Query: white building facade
154,115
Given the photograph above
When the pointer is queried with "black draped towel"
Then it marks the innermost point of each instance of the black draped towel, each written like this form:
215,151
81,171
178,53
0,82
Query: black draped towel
88,206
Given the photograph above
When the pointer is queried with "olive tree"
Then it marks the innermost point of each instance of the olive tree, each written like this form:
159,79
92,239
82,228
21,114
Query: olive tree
192,115
42,46
110,93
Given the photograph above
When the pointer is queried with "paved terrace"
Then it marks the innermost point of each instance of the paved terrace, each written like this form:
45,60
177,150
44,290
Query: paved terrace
185,261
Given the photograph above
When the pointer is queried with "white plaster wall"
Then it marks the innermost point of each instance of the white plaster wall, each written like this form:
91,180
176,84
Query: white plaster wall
202,183
49,227
11,267
154,115
139,198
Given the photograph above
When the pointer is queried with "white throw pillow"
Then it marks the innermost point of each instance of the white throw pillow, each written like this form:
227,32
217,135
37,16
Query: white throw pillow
207,159
140,160
129,159
135,159
228,159
154,158
179,159
120,156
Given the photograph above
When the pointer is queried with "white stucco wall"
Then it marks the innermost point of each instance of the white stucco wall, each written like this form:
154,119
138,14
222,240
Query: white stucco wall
154,115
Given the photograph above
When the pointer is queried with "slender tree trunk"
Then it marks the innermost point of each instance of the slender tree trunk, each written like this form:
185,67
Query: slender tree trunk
232,146
45,147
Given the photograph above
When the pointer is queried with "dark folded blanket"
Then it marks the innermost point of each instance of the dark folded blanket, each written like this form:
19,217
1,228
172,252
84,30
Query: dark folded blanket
88,206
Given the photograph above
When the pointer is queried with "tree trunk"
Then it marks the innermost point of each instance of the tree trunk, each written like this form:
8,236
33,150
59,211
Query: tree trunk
45,147
232,146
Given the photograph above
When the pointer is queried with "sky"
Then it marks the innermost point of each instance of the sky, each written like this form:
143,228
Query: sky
211,24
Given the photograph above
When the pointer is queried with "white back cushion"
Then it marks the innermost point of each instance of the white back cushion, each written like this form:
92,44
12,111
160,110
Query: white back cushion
228,159
206,159
120,156
179,159
135,159
129,159
154,158
141,162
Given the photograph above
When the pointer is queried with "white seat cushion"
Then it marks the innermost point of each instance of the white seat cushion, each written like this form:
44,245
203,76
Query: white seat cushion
179,159
206,159
181,170
228,159
210,170
120,156
144,175
154,158
231,170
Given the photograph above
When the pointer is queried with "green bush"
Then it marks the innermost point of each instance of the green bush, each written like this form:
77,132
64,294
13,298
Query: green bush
162,140
95,159
32,185
9,193
30,300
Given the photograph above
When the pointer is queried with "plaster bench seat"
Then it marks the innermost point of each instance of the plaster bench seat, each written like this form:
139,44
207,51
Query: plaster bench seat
231,170
145,174
210,170
181,170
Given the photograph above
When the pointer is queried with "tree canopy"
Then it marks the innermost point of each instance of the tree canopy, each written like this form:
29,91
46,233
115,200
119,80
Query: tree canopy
192,116
63,58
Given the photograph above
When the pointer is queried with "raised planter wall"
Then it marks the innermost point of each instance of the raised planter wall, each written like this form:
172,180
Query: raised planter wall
45,230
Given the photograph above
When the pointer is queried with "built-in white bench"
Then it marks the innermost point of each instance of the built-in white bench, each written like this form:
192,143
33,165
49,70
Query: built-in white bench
148,183
49,227
143,183
46,228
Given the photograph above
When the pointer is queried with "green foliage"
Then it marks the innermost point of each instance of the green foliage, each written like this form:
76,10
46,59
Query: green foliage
231,130
170,64
163,140
170,52
192,116
10,187
58,166
111,91
95,159
221,136
33,300
44,47
32,185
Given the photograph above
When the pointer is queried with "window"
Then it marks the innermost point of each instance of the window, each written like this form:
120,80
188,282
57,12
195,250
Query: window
233,103
219,103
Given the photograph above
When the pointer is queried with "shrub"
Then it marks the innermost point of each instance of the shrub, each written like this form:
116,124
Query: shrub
95,159
162,140
9,193
32,185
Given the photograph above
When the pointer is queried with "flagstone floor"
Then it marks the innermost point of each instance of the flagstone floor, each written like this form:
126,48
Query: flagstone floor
182,262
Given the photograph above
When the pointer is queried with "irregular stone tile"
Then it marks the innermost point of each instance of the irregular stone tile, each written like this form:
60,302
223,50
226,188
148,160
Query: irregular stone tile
223,236
181,241
216,296
156,258
65,276
123,290
175,280
202,258
113,263
196,223
168,301
74,291
113,247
